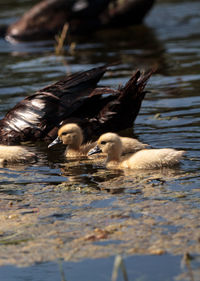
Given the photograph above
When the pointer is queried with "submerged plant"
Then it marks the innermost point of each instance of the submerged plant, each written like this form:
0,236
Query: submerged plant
60,40
119,263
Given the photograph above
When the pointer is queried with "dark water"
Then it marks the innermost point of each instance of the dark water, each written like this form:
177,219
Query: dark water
169,117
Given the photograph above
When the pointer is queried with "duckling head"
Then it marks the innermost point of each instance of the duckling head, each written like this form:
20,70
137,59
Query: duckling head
109,144
70,135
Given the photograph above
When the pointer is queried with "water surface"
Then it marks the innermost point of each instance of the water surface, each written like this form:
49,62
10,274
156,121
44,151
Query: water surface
79,210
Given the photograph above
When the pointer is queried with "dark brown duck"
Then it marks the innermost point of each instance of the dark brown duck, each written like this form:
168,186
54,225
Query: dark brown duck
47,17
76,99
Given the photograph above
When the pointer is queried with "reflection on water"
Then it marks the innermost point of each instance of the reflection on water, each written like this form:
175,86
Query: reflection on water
49,209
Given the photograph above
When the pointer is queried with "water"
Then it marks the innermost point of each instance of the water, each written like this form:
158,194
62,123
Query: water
102,269
75,210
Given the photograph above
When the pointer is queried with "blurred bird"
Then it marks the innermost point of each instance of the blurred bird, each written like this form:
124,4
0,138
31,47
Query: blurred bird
48,17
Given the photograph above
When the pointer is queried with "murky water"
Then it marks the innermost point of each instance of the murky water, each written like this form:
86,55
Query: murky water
79,210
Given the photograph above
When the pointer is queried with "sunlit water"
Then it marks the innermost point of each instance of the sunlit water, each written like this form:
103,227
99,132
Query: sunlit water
51,192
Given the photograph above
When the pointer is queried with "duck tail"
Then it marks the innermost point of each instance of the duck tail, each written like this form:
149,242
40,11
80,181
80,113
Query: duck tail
120,113
128,103
136,85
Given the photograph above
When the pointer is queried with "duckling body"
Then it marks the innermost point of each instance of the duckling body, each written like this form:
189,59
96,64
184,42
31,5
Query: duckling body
47,18
76,98
111,144
71,135
153,159
15,154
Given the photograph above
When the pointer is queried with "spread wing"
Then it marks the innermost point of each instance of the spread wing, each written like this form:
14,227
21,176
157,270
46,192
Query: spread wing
35,116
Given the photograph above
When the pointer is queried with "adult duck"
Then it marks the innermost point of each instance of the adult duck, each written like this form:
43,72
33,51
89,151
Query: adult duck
77,99
111,144
72,136
47,17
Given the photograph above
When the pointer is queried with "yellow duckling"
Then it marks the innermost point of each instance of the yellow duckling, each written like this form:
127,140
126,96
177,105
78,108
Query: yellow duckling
15,154
72,136
111,144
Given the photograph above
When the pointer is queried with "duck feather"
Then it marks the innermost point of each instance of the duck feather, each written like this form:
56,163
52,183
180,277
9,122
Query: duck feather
75,99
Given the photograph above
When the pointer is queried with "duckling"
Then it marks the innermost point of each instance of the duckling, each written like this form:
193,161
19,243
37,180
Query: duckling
15,154
74,99
111,144
47,18
72,136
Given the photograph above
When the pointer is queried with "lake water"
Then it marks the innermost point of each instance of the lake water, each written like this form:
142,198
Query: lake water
82,213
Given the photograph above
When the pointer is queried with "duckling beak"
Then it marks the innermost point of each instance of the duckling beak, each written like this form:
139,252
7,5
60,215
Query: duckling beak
95,150
56,141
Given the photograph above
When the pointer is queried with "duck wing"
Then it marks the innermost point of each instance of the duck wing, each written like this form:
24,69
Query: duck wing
35,116
120,110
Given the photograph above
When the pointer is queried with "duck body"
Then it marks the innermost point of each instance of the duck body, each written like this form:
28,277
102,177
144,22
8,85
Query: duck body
34,117
71,135
111,144
47,18
75,99
15,154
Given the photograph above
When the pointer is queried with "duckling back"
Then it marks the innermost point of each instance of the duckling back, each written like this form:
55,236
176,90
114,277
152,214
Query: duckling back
153,158
15,154
130,145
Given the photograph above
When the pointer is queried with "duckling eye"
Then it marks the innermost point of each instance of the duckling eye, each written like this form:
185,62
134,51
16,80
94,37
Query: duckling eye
103,142
64,134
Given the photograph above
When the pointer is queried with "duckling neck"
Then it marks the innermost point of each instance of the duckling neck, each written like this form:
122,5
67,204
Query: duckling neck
113,159
74,146
72,150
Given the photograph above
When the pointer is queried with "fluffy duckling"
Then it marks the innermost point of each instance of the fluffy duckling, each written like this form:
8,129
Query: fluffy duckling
111,144
15,154
72,136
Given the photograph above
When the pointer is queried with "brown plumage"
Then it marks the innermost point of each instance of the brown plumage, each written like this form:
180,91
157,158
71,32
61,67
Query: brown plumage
47,17
75,99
